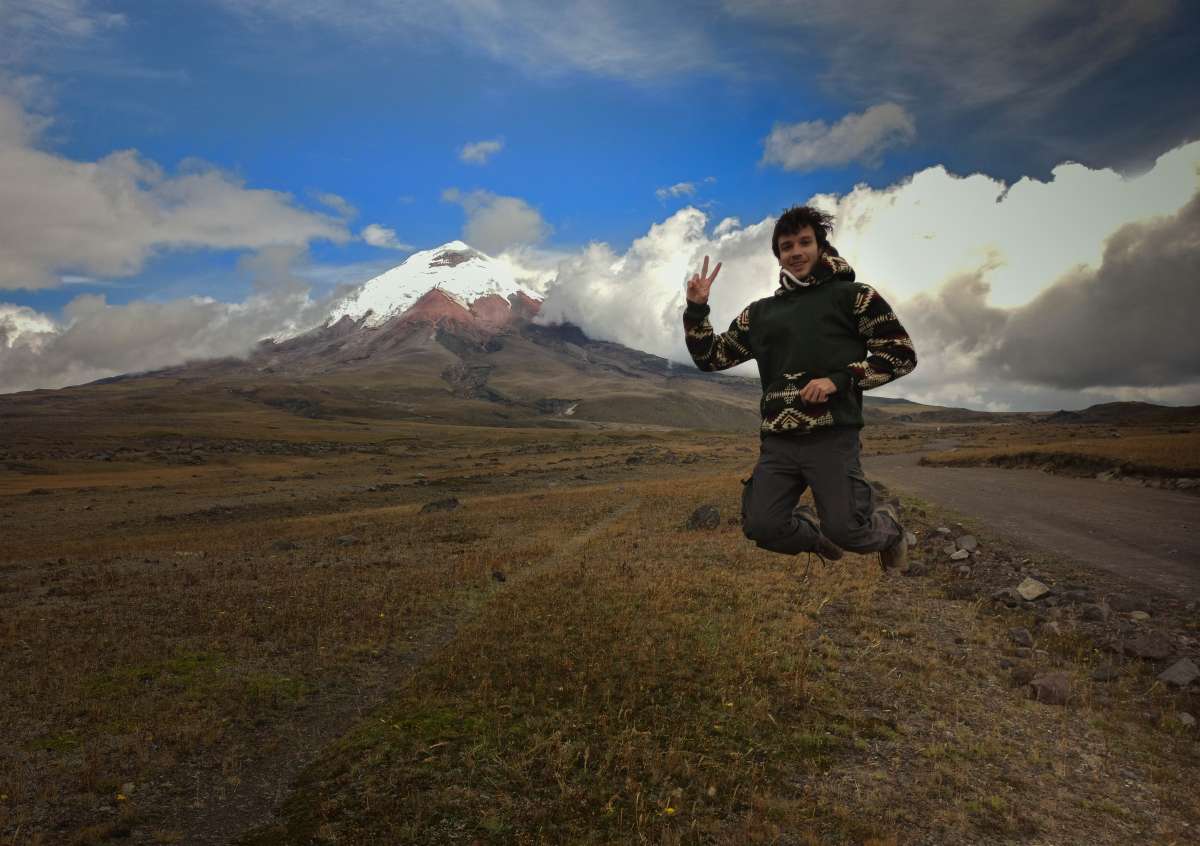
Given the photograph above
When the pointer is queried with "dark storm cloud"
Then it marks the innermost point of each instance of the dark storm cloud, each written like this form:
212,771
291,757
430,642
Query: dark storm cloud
1127,324
1132,322
1068,80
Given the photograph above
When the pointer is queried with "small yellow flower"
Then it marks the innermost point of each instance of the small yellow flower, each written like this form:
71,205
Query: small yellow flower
121,797
669,811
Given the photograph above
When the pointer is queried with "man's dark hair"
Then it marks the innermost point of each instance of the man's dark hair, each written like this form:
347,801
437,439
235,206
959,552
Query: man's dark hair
798,217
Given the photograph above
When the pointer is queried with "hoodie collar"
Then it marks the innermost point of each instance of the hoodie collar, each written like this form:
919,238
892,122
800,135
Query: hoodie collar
828,267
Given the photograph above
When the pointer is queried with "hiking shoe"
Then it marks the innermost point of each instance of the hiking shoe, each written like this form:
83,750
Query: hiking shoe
895,557
825,547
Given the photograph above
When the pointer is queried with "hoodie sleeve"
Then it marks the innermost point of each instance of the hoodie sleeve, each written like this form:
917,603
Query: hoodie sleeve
716,352
890,352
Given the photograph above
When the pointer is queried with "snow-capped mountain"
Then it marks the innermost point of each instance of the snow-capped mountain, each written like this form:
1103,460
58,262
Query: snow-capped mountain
457,270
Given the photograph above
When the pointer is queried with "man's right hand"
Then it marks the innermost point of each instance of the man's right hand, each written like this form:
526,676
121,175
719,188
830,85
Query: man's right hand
700,283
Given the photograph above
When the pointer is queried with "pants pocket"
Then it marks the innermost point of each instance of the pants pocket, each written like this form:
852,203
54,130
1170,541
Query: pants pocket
862,498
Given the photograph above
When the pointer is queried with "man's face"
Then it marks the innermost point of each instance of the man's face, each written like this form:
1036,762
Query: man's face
798,252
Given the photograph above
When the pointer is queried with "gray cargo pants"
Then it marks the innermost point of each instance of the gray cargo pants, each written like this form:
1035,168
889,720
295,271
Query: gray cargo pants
828,462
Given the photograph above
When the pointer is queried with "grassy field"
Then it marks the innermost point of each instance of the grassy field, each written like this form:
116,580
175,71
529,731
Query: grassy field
199,628
1134,452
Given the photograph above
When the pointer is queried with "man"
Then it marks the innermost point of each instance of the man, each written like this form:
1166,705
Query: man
820,341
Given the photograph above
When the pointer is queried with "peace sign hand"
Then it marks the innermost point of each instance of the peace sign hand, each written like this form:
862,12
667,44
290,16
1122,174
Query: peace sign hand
699,284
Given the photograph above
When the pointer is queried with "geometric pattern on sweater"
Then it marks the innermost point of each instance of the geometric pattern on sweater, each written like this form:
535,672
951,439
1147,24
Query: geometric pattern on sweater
890,351
719,352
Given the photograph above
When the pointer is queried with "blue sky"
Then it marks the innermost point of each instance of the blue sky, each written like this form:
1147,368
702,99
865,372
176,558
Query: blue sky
596,111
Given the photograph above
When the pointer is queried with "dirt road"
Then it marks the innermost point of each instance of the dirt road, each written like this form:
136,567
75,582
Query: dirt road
1147,535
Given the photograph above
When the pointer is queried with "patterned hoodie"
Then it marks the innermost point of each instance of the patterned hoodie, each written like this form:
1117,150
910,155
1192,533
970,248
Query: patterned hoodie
826,325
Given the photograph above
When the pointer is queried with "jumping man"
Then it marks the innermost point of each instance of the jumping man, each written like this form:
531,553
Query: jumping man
820,340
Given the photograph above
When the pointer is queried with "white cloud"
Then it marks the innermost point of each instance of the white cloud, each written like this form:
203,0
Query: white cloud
620,38
30,26
20,324
854,138
679,189
96,339
960,258
913,236
338,203
380,236
58,215
496,223
478,152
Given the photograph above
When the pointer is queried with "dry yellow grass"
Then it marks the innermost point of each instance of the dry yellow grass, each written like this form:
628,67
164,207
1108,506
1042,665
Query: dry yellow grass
196,634
1156,454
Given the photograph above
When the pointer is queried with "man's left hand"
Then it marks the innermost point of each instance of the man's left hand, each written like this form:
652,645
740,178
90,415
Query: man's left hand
818,391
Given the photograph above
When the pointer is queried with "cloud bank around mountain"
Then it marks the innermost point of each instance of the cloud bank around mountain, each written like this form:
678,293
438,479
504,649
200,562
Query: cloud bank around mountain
1037,294
96,339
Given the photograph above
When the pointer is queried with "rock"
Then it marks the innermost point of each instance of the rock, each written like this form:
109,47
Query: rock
964,571
1187,484
1031,589
1152,646
1139,616
1186,719
1051,688
1076,595
943,531
910,539
916,568
1182,673
1094,613
960,555
1021,637
950,549
498,576
1008,596
1104,674
283,545
1023,652
448,504
968,543
705,517
1022,675
348,540
1052,628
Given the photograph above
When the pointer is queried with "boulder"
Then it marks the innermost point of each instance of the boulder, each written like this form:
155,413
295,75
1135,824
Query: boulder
1031,589
1182,673
705,517
1051,688
1152,646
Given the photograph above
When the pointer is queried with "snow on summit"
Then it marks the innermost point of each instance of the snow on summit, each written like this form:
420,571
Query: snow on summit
456,268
